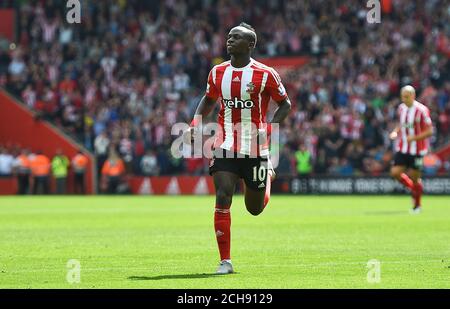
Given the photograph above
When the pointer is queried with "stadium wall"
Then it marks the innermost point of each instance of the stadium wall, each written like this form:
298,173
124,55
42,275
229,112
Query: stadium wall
19,125
7,24
175,185
8,186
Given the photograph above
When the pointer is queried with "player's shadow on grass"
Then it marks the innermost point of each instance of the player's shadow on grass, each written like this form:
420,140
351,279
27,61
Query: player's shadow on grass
183,276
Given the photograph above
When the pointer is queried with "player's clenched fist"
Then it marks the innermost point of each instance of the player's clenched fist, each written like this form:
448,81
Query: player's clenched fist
393,135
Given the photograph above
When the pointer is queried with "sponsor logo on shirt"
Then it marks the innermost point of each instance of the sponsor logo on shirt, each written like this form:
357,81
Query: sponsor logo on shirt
237,103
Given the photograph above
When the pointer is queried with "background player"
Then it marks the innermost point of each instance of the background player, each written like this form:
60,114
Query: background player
411,143
245,87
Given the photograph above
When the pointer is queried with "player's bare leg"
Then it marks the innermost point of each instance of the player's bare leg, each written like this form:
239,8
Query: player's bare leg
225,183
417,190
256,201
398,172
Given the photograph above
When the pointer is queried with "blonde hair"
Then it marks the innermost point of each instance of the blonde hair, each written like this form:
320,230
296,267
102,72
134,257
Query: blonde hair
408,88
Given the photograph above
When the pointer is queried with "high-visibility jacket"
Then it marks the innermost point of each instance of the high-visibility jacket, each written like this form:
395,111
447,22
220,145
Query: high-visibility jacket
79,163
113,167
431,160
23,164
60,166
303,162
40,165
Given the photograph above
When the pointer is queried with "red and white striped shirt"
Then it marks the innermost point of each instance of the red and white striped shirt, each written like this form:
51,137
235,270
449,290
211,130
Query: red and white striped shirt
413,121
49,30
245,94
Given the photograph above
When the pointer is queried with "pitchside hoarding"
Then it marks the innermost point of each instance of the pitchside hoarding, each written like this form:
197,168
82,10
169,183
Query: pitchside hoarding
356,185
203,185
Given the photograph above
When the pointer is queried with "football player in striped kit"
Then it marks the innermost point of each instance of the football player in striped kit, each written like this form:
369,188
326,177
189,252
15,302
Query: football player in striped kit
245,88
411,143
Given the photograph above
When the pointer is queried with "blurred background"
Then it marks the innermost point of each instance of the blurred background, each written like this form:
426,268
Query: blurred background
89,107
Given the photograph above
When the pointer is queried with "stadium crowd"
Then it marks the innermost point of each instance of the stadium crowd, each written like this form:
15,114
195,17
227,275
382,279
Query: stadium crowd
132,69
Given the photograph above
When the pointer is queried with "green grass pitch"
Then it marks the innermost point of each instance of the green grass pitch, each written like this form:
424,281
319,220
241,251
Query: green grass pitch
169,242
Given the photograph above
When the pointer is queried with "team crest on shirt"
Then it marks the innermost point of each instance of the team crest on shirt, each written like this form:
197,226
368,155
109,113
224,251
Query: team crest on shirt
250,87
408,125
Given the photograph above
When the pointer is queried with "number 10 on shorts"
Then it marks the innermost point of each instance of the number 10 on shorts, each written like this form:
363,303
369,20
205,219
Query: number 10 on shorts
259,173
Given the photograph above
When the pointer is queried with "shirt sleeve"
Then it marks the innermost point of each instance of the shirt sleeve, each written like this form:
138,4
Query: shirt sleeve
426,119
211,90
275,87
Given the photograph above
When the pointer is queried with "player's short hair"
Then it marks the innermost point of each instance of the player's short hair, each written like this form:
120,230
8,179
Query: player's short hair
247,26
408,88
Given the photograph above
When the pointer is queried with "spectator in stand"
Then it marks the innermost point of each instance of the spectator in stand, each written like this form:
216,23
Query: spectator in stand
285,166
126,151
17,67
23,171
79,165
101,146
334,169
60,168
321,163
112,171
333,142
354,154
431,164
346,168
6,163
149,164
304,164
304,161
40,170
